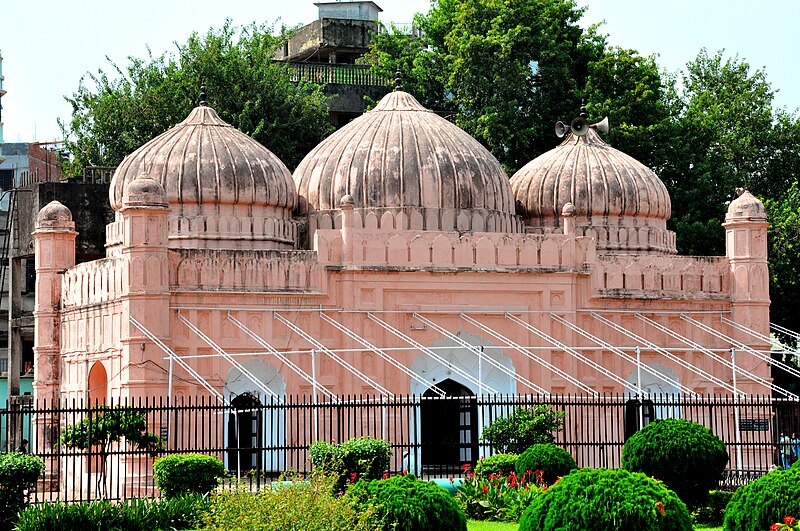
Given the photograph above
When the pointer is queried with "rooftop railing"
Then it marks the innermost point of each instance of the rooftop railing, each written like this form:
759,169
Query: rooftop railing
336,74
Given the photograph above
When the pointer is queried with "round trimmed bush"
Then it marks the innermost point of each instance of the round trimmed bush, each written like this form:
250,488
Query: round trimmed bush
496,464
354,459
181,474
758,505
686,456
599,499
553,460
404,503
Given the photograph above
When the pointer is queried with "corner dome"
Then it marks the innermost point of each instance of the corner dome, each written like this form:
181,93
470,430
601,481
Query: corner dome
144,190
616,198
746,207
222,186
54,214
402,158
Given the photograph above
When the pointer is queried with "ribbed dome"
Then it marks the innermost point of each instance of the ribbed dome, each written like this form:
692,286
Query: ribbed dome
746,206
221,184
401,157
619,198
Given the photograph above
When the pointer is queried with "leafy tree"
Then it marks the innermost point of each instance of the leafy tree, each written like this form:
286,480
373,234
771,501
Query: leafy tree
506,71
726,135
523,428
113,114
784,267
105,426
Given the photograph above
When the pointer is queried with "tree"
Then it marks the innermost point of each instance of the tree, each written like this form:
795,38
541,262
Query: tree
726,136
784,258
107,425
505,71
523,428
112,115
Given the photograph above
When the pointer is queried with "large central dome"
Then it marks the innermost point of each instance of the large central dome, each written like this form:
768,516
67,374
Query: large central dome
401,157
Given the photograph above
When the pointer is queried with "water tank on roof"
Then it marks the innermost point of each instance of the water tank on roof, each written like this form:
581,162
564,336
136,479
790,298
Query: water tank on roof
355,10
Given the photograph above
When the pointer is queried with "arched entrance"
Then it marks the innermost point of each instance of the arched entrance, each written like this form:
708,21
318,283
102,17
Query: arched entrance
97,384
448,428
255,425
245,434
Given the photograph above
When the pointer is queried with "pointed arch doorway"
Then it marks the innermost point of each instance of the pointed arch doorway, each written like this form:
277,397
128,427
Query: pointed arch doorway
448,428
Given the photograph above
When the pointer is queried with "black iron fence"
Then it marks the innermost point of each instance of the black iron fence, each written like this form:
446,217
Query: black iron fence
260,438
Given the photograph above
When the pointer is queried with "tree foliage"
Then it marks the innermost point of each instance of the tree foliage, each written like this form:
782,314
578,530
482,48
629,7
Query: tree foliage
523,428
105,426
504,71
115,112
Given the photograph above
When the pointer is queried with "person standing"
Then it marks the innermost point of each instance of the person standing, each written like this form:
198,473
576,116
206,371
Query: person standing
785,448
23,447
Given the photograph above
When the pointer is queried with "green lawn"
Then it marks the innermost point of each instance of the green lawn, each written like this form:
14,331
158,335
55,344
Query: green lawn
477,525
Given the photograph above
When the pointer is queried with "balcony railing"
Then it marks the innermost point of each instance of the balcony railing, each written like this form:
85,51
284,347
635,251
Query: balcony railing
336,74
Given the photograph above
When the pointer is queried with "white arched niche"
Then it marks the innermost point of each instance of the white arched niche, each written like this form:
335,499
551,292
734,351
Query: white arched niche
486,378
657,386
266,425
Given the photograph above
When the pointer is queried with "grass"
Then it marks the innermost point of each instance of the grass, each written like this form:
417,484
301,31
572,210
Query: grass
477,525
483,525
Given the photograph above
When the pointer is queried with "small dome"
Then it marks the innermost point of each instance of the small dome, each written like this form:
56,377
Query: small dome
746,206
401,157
144,190
54,214
619,198
223,187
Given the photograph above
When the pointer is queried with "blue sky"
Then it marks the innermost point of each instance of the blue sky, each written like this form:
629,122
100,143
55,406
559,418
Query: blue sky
47,46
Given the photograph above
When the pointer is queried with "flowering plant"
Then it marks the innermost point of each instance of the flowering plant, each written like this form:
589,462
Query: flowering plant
499,496
789,523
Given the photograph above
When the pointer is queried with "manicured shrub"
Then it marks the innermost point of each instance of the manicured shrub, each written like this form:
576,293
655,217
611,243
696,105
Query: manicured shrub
714,510
758,505
173,514
404,503
686,456
606,500
181,474
552,460
496,464
302,505
525,427
359,458
18,473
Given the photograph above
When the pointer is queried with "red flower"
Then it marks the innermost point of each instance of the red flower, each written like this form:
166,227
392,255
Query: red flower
405,472
385,475
451,480
465,467
484,489
353,477
788,520
775,527
661,508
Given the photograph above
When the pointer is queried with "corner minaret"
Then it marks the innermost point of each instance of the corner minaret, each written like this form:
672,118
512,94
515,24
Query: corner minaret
746,248
54,239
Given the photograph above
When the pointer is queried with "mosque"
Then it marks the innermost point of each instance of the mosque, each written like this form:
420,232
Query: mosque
398,259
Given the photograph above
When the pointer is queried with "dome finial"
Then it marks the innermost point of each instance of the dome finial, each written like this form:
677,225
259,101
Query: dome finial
203,102
583,110
398,80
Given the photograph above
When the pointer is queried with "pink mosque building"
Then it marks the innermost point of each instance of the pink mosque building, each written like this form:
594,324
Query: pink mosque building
399,259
